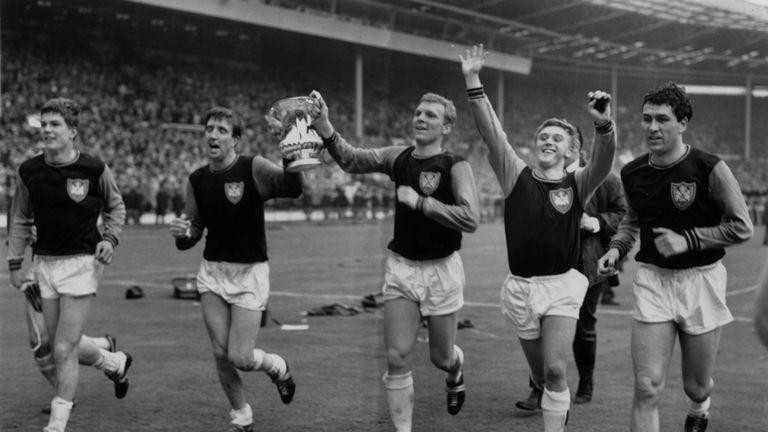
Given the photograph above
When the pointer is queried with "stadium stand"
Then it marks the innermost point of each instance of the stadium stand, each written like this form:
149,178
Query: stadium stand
142,101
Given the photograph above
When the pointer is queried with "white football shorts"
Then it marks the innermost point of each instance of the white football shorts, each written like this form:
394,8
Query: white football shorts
436,285
72,275
692,298
244,285
524,301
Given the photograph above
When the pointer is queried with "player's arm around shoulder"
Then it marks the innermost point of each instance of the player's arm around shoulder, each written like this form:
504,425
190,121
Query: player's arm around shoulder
465,214
273,181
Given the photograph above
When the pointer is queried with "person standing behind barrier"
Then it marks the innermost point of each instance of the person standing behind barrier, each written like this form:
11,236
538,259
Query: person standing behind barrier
602,215
62,193
227,197
543,292
162,201
423,272
686,206
761,307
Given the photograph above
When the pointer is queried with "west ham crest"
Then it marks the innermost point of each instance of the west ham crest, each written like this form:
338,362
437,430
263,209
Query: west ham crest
429,181
561,199
234,191
683,194
77,189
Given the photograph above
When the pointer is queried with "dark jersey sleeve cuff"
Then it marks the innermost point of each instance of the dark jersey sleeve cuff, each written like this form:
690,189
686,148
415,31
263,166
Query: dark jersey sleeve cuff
476,93
604,128
14,264
331,139
111,238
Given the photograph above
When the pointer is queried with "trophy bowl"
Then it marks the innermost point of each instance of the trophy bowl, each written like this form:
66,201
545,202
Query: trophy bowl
290,121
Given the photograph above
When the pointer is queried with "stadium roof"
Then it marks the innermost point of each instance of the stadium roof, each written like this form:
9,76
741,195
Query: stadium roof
709,37
725,40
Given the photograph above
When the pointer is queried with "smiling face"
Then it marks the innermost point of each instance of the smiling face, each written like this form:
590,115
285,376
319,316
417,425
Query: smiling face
553,146
55,133
663,131
218,137
429,123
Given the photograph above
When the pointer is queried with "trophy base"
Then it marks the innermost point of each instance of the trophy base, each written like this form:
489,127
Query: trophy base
303,165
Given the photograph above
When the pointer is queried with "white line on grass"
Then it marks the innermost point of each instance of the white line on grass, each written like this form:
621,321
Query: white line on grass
602,311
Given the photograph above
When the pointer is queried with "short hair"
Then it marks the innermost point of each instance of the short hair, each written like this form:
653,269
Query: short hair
673,95
68,109
573,131
450,109
218,113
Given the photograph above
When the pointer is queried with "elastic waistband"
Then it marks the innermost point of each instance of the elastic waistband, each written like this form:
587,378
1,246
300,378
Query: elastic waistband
690,270
542,278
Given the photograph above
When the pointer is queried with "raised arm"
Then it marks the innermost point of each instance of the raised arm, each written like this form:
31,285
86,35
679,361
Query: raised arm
604,148
356,160
273,181
502,157
349,158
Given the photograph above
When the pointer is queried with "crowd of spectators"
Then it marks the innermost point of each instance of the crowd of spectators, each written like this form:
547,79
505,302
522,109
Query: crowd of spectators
142,116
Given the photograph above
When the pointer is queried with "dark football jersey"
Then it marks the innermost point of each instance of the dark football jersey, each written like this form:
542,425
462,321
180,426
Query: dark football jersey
233,212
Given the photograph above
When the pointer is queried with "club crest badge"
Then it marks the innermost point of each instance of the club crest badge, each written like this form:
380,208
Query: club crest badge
429,181
234,191
561,199
77,189
683,194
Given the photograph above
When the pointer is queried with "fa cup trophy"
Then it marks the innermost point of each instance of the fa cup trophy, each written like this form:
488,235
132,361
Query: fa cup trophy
290,120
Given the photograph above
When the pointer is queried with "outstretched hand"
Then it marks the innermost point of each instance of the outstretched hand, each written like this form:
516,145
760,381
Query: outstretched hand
597,98
474,60
321,123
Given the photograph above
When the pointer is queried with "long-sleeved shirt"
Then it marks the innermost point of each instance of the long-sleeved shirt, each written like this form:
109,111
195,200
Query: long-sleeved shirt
63,202
230,204
541,217
697,197
444,181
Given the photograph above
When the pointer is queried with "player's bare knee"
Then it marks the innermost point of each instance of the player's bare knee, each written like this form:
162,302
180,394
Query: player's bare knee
220,355
397,359
243,360
441,360
698,391
648,388
64,351
554,372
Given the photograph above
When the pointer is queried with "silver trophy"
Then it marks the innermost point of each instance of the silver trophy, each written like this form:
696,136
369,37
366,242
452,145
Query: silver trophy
290,120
